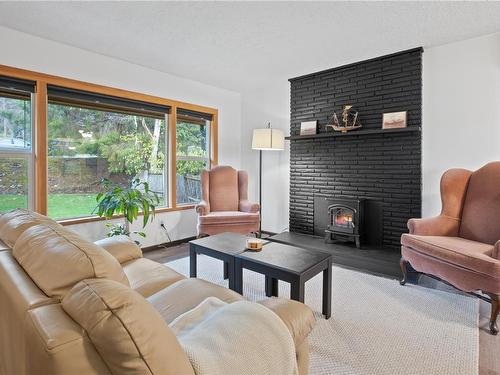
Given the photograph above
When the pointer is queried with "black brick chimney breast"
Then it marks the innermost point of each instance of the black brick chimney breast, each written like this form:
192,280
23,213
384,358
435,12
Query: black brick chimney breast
382,167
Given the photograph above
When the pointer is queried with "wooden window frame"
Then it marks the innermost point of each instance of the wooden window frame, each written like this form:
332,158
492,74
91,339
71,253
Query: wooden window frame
210,156
41,133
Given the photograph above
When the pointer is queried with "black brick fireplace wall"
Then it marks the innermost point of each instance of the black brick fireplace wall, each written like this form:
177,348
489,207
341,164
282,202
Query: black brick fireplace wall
384,168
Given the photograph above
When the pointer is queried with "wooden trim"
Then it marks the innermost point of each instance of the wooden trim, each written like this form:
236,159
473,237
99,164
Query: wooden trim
172,139
90,219
99,89
214,141
191,120
171,209
41,168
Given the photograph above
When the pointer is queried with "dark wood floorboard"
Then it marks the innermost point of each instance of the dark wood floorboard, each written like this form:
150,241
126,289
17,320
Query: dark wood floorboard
489,346
167,254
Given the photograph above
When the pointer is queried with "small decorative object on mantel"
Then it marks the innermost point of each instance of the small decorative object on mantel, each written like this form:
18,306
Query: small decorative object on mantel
394,120
308,127
350,120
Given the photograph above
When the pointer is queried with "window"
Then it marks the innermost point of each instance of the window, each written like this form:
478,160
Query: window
16,157
91,138
60,137
192,154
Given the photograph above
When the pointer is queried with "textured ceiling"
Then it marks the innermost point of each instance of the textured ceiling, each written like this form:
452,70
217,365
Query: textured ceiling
246,45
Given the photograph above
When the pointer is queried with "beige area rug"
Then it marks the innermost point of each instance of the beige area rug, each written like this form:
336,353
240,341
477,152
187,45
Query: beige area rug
377,326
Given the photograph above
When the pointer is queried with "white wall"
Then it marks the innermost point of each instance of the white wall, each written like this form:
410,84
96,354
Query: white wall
29,52
461,110
272,104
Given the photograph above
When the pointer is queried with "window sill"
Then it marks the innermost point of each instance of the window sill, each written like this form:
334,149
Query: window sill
90,219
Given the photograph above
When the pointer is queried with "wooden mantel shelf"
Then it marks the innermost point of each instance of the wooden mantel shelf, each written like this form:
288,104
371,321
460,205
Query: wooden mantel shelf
354,132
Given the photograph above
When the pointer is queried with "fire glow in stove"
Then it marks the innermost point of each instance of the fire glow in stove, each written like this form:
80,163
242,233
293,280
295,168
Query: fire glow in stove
345,220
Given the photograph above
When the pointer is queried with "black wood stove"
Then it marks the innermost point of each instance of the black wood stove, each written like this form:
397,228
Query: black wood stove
345,220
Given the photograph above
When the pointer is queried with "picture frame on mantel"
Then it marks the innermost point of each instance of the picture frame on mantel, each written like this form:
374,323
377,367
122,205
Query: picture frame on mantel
308,127
394,120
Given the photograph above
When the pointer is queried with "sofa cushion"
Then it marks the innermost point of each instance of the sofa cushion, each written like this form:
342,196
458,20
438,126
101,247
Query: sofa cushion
481,212
186,294
229,217
469,254
15,222
126,330
122,247
57,258
148,277
223,189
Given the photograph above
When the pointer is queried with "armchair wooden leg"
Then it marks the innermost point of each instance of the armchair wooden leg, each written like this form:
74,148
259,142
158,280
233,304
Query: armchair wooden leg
495,308
404,270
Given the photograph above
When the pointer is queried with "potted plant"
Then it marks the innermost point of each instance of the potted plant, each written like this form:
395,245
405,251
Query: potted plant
129,201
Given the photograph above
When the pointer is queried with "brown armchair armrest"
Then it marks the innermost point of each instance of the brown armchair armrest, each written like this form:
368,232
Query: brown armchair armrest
202,208
247,206
122,248
435,226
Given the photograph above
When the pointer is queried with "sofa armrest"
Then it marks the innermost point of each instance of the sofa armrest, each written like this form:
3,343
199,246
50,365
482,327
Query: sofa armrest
298,317
122,248
247,206
496,251
56,344
202,208
435,226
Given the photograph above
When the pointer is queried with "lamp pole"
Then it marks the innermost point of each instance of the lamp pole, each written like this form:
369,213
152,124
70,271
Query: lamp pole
260,193
260,180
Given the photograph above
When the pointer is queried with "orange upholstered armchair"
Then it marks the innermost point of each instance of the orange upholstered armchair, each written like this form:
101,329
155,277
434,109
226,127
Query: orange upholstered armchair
224,206
462,244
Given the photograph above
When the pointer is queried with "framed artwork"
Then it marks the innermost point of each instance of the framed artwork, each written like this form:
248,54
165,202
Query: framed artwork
308,127
394,120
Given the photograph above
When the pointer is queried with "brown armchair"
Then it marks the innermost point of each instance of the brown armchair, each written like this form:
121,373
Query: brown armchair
462,244
225,206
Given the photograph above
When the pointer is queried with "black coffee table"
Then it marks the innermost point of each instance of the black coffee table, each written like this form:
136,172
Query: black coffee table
294,265
223,246
276,261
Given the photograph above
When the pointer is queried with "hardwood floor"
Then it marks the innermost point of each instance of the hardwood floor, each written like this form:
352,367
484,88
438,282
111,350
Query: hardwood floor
167,254
489,346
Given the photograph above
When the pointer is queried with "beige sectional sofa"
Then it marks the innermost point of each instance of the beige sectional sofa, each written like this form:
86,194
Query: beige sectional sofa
51,278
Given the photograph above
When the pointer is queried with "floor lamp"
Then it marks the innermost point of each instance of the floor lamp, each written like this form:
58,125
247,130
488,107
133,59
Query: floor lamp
267,139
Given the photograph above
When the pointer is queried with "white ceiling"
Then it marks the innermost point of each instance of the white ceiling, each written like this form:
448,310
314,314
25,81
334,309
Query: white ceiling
246,45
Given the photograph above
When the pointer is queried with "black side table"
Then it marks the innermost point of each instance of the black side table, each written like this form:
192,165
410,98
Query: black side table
223,246
294,265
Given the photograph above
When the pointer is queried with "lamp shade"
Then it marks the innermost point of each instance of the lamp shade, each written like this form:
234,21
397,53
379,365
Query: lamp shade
268,139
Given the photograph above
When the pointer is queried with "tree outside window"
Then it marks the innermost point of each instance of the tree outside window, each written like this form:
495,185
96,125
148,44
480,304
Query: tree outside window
193,156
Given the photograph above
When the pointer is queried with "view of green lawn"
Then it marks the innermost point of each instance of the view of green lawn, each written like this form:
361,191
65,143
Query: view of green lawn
61,206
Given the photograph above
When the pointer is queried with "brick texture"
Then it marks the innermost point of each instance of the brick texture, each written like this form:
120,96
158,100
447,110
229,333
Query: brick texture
382,167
